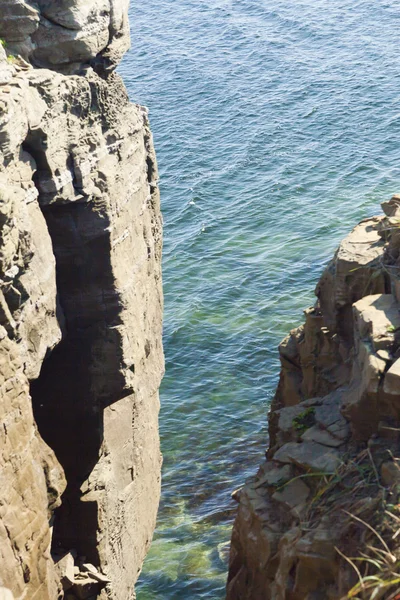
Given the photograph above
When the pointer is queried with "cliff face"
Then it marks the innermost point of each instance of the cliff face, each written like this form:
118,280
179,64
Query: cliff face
80,306
329,490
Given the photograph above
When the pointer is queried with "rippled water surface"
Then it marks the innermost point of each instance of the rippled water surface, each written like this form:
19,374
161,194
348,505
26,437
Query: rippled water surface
276,124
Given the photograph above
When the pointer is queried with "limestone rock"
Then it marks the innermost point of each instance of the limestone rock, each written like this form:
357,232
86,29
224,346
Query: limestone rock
80,303
67,34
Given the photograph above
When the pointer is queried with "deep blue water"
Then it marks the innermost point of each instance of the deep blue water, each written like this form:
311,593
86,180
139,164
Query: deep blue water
276,125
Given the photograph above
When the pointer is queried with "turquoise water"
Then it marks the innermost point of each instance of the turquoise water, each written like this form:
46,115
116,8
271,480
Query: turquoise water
276,127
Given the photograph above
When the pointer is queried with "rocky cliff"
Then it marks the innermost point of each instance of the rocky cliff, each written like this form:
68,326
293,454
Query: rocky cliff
80,306
321,517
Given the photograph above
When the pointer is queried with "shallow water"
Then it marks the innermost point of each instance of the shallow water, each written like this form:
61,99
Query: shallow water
276,127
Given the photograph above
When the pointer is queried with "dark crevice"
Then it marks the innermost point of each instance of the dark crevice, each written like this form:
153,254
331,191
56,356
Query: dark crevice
72,427
82,374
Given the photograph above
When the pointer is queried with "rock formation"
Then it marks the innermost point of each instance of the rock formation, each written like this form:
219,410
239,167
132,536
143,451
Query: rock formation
325,504
80,306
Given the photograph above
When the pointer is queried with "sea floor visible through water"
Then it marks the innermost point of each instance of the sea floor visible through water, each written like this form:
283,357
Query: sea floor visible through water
275,124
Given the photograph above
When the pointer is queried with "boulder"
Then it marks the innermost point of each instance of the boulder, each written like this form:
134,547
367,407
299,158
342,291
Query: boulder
65,569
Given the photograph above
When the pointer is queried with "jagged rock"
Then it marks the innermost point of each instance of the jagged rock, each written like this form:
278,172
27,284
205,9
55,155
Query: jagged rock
321,436
80,301
272,474
376,318
314,363
334,422
328,416
65,570
392,207
85,587
354,272
293,420
235,495
95,574
67,34
309,455
293,494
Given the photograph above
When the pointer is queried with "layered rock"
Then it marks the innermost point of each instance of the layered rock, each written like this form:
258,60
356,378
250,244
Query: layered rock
80,306
324,504
66,34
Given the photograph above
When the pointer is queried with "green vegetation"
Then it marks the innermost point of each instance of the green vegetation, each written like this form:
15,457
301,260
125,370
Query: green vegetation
10,57
304,420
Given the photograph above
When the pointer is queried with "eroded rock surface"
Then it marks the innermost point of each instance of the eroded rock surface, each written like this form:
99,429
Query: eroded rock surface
330,485
67,34
80,306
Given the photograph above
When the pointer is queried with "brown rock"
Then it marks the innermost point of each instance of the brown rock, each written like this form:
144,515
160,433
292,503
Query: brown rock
339,363
390,473
392,207
353,273
376,318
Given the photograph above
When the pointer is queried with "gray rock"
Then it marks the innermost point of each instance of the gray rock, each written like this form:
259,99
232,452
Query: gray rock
321,436
273,476
309,455
294,494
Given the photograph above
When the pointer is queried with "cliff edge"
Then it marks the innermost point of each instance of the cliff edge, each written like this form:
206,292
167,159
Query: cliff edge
80,306
321,518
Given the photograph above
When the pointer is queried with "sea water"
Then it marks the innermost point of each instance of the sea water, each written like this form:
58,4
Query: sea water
276,126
